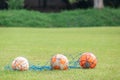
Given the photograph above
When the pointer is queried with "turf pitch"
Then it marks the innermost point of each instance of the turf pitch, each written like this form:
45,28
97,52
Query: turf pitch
39,44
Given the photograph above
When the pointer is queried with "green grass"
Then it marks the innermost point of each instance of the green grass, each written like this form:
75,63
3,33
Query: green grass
73,18
39,44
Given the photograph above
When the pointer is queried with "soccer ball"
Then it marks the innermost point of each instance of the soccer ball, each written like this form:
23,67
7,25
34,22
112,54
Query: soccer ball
59,62
87,60
20,63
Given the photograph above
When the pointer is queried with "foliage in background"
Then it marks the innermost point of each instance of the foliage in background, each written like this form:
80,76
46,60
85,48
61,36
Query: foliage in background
15,4
75,18
73,1
19,4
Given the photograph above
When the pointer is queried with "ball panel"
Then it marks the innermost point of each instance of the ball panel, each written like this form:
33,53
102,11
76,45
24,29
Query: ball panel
65,67
90,59
53,59
83,57
56,67
93,64
62,61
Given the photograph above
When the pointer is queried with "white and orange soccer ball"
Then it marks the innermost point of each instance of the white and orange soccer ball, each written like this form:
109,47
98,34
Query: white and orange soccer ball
20,63
59,62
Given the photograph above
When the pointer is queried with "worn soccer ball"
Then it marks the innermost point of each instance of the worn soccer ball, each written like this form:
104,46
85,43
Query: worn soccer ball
59,62
20,63
88,60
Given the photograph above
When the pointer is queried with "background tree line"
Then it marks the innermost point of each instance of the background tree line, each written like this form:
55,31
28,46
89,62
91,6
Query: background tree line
18,4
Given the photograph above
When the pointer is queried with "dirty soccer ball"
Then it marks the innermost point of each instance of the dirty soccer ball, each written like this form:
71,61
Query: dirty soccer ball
20,63
87,60
59,62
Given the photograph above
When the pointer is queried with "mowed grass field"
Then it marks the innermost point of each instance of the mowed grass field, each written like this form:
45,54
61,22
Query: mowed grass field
39,44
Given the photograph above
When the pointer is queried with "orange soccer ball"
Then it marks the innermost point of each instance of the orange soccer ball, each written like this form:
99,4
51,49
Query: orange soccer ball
88,60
